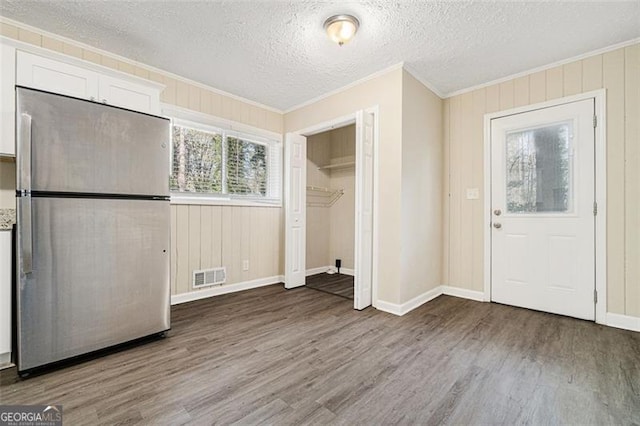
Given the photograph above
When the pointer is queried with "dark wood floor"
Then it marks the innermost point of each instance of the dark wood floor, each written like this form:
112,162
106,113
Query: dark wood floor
338,284
301,356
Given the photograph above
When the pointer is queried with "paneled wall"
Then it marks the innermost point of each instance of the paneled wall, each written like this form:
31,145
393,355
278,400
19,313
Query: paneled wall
331,230
619,72
209,236
202,236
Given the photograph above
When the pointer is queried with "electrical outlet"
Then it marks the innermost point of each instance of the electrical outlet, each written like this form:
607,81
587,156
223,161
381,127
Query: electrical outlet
245,265
473,193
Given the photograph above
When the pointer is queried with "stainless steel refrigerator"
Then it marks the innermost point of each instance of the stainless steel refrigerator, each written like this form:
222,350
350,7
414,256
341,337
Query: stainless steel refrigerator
93,227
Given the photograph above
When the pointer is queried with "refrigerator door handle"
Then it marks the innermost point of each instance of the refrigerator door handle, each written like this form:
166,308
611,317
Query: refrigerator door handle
26,240
24,152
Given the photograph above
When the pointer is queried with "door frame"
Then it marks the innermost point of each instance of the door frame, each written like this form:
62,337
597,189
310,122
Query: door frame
600,132
324,126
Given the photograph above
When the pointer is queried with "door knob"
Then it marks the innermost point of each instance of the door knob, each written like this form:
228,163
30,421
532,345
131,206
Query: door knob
497,212
497,225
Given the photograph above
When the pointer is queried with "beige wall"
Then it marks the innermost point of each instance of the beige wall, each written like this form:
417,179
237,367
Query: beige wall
618,72
318,220
202,236
422,157
210,236
331,230
7,184
386,92
410,177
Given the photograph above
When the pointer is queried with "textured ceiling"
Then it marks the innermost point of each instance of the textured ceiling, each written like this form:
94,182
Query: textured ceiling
276,53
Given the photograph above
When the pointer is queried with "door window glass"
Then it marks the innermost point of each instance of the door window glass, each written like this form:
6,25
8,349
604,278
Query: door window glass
539,169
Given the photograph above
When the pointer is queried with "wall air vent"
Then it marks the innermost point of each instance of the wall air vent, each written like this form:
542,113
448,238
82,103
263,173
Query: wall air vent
208,277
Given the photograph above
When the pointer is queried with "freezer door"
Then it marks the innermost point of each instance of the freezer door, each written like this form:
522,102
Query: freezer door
73,145
99,275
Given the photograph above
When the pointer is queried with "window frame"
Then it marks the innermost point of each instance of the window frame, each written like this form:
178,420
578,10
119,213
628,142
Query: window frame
226,128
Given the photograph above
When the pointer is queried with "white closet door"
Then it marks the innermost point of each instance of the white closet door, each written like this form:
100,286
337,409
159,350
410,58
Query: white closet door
364,213
295,210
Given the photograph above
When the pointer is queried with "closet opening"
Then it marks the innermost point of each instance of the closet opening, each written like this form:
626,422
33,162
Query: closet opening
331,214
330,207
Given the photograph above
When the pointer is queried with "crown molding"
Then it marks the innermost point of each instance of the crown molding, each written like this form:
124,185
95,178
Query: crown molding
545,67
112,55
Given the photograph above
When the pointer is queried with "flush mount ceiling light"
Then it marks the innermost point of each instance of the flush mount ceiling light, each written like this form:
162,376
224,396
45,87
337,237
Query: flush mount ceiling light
341,28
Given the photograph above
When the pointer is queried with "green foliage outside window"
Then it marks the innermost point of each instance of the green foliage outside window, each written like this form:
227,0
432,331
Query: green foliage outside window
210,163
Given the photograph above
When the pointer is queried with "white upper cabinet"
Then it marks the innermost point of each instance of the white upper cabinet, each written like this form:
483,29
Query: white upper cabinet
31,66
7,100
128,95
75,80
57,77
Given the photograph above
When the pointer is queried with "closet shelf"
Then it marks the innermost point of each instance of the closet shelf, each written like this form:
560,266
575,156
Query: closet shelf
322,197
337,166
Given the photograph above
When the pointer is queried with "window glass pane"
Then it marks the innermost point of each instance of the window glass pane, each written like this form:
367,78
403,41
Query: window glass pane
246,167
197,161
538,169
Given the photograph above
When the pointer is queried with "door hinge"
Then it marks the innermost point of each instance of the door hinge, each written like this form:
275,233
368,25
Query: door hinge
595,208
595,296
595,121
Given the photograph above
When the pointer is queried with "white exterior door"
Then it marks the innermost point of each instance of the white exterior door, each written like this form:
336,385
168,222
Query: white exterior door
295,210
364,211
542,196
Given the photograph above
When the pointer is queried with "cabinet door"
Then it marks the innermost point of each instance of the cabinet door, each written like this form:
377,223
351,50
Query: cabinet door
5,296
7,100
129,95
53,76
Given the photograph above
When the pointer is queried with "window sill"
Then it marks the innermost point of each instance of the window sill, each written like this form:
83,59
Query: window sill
214,201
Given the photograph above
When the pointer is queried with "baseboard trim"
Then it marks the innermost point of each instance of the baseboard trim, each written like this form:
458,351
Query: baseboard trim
323,269
625,322
401,309
225,289
463,293
316,271
347,271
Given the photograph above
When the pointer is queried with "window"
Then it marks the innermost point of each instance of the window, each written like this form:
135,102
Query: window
212,164
538,169
247,170
197,161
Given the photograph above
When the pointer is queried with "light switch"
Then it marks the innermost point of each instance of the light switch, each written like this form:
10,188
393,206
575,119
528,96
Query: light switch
473,193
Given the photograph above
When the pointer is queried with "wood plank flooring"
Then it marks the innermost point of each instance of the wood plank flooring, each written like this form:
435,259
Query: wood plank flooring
300,356
338,284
